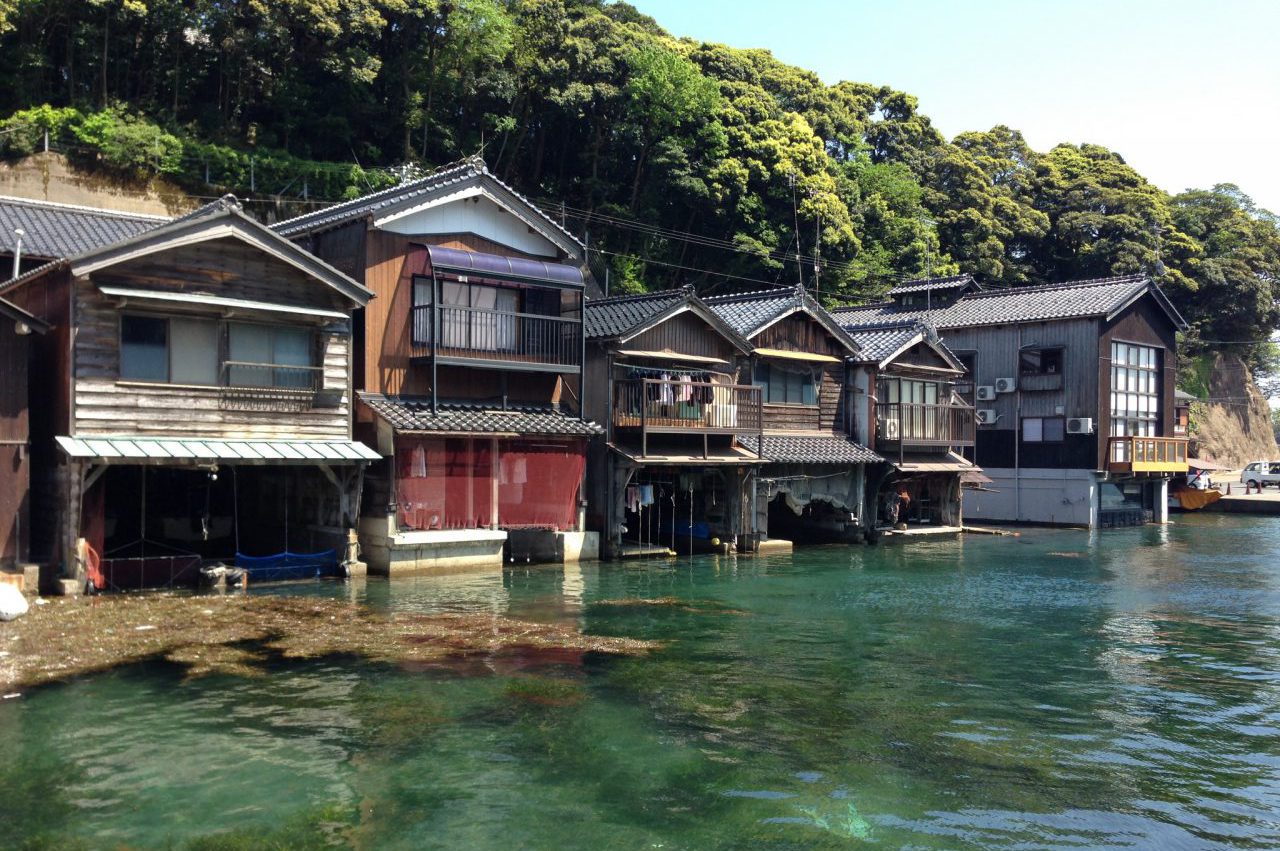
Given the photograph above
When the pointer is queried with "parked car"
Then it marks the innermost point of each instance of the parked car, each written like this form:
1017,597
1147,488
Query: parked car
1261,473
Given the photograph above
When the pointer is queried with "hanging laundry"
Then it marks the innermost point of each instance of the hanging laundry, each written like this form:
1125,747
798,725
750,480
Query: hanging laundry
633,498
646,494
418,463
520,471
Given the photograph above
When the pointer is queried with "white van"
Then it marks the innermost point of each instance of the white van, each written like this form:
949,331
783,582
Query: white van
1261,473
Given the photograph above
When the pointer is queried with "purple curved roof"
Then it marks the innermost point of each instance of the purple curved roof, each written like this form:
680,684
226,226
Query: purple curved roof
497,266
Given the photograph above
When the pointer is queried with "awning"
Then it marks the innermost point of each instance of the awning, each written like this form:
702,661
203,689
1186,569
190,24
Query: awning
975,477
634,353
719,457
787,354
1202,464
200,299
130,449
949,463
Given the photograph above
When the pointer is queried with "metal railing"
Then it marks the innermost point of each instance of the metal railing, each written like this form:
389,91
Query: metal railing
1147,454
656,405
485,334
250,375
906,424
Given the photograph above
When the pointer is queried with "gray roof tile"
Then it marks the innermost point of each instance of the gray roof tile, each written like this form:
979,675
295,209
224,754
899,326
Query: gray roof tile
880,341
811,449
53,231
920,285
1073,300
610,317
746,313
414,414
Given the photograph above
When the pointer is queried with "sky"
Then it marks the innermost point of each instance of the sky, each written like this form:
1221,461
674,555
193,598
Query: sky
1187,92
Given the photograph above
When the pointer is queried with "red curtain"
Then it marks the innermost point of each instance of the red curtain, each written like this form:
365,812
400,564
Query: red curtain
444,483
538,483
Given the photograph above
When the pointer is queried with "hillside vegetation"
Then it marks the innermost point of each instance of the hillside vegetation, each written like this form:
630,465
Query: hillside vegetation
679,161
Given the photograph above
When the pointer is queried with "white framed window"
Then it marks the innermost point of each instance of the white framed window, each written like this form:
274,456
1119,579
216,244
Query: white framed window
1135,390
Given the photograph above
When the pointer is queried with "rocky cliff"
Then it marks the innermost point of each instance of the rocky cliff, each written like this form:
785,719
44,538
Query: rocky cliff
1233,425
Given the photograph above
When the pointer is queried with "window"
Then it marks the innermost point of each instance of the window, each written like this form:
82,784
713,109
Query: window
269,356
1135,390
474,316
786,386
908,392
179,351
1043,429
1040,362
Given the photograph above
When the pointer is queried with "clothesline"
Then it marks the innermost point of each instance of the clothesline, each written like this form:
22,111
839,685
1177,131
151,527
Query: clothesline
636,371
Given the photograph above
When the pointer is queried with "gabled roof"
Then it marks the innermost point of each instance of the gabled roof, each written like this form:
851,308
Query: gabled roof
13,313
750,313
445,180
220,219
407,413
53,231
1101,298
622,318
947,284
882,342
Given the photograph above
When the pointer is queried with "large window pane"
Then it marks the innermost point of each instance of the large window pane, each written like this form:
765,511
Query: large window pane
193,357
292,347
144,350
249,347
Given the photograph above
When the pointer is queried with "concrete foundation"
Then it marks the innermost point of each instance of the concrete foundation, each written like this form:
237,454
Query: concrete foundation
388,552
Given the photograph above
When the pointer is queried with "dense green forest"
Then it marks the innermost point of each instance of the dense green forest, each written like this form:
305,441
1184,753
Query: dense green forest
679,161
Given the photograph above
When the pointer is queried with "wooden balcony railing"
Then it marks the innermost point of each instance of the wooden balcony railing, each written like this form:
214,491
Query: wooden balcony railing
473,333
1147,455
901,425
654,405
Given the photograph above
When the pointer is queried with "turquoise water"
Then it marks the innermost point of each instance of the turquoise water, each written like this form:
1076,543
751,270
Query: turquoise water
1056,690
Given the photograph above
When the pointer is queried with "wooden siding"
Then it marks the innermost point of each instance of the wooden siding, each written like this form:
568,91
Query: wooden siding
688,334
103,404
15,471
799,333
343,248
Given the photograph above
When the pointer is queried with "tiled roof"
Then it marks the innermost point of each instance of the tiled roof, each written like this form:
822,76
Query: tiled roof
746,313
443,177
610,317
414,414
920,285
815,449
1074,300
883,340
53,231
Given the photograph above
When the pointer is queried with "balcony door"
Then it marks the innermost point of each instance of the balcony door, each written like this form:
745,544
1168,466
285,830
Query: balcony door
910,397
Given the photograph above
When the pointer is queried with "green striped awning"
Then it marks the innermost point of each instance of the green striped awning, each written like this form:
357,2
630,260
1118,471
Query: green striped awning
132,449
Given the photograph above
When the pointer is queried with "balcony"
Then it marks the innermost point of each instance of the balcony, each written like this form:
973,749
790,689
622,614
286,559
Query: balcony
908,426
249,385
1147,455
654,405
474,336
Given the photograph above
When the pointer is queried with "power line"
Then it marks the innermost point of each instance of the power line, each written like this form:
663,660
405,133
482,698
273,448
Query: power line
768,284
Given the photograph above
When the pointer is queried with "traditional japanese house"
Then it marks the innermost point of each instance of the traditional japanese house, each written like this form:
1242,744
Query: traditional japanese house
1073,389
17,328
194,404
672,382
811,487
907,399
469,370
33,233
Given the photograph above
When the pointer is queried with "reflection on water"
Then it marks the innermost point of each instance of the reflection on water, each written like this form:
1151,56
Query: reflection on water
1056,690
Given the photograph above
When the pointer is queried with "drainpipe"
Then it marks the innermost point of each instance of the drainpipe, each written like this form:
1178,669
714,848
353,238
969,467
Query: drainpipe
17,250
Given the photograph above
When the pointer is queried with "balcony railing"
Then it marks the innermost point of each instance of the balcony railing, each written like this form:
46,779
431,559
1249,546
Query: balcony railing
1147,455
251,375
474,333
655,405
903,425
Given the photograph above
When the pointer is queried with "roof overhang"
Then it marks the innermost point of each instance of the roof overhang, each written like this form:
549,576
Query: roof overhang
204,451
692,304
669,355
806,305
787,354
949,463
24,322
227,223
720,458
229,305
1153,289
467,264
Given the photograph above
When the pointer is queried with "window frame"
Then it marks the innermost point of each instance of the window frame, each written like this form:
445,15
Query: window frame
807,379
1041,367
1137,376
1022,429
168,319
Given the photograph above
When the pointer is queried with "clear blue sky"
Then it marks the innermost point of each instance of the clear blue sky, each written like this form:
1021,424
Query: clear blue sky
1188,92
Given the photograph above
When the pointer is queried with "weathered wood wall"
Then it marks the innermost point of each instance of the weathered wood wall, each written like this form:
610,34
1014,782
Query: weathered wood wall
686,333
15,469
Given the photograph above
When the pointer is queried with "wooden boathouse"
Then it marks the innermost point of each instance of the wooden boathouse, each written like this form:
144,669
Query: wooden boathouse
17,327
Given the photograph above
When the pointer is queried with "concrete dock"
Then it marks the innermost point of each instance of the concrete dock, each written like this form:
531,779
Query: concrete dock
1267,502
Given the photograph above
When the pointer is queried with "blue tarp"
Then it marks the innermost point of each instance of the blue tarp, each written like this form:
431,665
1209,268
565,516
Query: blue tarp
288,565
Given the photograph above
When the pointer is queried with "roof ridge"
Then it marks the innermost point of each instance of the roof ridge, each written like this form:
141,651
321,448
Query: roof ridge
82,208
1062,285
887,325
633,297
773,292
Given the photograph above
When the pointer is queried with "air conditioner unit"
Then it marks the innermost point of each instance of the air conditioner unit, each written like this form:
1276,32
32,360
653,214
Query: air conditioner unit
1080,425
985,416
891,429
1006,385
986,393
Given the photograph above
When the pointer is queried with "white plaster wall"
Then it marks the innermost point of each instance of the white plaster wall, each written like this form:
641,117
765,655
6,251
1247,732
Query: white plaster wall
472,213
1063,497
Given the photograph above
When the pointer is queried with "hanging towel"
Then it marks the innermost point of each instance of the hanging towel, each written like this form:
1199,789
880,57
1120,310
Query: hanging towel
520,471
646,494
418,463
633,498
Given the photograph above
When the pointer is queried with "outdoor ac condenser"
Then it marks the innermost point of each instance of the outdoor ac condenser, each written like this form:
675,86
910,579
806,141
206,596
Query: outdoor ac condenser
1080,425
985,416
986,393
1006,385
